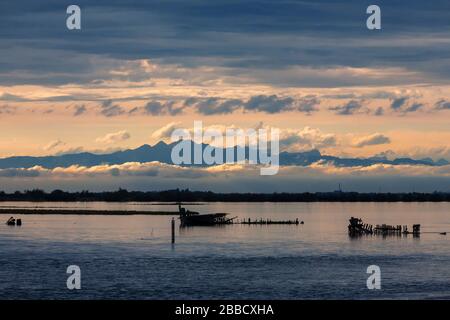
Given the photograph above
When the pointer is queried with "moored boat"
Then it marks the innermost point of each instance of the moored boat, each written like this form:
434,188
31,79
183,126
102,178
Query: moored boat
11,221
193,218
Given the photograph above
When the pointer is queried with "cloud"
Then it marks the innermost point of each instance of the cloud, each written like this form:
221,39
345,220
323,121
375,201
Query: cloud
371,140
165,132
414,107
397,103
405,104
306,139
269,104
109,109
317,170
12,97
70,150
157,108
79,110
21,173
54,144
261,103
130,169
282,38
211,106
379,111
442,105
6,109
290,139
388,154
114,137
308,104
436,153
349,108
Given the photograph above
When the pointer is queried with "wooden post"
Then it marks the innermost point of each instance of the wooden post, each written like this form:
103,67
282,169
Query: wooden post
173,230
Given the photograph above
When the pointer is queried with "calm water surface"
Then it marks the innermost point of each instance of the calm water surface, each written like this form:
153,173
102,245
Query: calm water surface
132,258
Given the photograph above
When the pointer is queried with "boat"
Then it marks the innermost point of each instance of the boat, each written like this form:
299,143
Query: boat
11,222
193,218
14,222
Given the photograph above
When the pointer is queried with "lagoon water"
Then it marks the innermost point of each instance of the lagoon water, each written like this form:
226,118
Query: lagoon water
131,257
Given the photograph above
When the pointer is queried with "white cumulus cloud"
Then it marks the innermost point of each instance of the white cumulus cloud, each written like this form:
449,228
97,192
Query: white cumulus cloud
371,140
114,137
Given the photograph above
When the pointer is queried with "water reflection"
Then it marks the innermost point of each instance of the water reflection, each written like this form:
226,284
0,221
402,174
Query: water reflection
314,260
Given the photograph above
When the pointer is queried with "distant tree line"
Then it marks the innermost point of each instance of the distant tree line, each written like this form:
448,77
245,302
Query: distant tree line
177,195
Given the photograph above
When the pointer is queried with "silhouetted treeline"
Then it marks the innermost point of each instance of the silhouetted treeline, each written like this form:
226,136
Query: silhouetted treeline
207,196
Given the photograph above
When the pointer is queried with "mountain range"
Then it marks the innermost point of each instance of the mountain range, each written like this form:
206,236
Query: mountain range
162,152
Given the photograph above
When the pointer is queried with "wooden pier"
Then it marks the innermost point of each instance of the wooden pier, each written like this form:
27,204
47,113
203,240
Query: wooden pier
268,221
357,227
193,218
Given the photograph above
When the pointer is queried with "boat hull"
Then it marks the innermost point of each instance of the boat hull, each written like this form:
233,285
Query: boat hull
203,219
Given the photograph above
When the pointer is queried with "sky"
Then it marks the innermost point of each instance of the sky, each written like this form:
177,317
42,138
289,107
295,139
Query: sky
137,70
